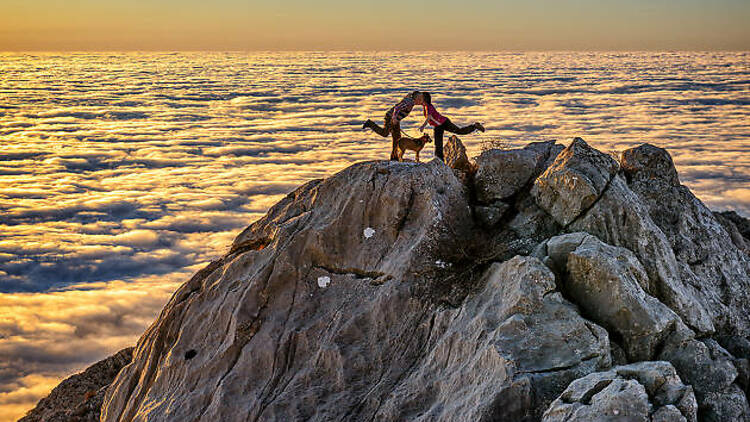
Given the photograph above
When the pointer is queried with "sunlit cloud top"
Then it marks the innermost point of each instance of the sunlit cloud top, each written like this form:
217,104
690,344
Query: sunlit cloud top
374,25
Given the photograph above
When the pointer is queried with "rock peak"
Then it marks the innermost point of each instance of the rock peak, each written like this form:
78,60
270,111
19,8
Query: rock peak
540,283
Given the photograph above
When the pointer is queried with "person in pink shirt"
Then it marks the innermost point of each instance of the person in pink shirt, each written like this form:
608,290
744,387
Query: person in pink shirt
442,124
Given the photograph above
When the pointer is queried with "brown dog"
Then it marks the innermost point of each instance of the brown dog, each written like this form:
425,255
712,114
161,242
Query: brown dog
414,144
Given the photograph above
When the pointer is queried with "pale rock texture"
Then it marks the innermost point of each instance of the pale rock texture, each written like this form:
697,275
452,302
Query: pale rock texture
609,283
504,355
720,274
574,181
503,173
710,369
639,392
405,291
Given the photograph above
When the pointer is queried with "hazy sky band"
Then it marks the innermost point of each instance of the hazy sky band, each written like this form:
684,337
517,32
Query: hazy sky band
374,25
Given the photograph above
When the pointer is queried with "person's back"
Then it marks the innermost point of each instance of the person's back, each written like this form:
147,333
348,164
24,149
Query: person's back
404,107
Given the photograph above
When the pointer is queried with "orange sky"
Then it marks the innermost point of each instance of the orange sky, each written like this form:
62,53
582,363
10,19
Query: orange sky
382,25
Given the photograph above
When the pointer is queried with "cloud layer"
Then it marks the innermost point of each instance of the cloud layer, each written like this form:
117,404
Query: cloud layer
120,174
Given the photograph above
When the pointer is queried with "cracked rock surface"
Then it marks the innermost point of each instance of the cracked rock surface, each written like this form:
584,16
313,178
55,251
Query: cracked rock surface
533,284
639,392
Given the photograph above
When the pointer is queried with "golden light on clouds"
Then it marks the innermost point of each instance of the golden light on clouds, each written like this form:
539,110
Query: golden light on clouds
48,336
121,174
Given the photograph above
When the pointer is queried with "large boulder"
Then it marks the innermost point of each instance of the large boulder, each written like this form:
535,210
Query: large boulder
574,181
302,308
649,164
706,255
501,173
620,218
640,392
608,282
510,350
331,307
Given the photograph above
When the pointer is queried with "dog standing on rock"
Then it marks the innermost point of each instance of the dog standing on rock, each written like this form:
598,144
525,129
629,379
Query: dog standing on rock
414,144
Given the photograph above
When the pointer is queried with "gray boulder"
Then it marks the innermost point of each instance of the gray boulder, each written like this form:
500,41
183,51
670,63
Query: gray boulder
505,355
574,181
330,308
640,392
710,369
707,257
619,218
502,173
609,283
649,164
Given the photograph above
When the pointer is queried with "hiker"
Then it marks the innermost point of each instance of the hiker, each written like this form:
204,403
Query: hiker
393,117
442,124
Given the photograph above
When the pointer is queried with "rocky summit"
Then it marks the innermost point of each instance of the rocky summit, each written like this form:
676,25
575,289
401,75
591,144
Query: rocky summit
545,283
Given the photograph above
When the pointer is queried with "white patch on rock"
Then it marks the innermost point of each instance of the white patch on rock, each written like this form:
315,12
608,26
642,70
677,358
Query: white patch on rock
442,264
369,232
324,281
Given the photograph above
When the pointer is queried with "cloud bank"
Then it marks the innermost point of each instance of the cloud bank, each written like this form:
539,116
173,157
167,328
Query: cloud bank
121,173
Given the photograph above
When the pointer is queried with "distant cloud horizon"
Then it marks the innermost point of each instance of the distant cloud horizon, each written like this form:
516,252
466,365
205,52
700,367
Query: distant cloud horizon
388,25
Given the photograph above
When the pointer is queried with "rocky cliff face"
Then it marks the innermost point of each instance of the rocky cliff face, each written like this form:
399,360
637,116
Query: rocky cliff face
79,397
533,284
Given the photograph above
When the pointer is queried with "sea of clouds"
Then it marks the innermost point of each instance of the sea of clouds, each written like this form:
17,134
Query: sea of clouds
122,174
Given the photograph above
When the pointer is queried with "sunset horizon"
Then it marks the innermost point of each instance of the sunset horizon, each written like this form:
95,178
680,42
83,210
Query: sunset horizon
331,25
162,160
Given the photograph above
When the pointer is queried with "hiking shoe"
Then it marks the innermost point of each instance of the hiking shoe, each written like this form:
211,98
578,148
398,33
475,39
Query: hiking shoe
479,126
366,124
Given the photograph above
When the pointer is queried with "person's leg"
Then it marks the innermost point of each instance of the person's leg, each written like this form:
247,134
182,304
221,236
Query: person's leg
382,131
439,130
395,135
450,127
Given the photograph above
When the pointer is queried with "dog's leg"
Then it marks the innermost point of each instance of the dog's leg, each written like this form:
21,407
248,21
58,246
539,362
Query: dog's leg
417,155
400,154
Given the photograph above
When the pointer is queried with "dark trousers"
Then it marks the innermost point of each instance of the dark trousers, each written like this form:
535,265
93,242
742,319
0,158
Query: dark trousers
388,127
450,127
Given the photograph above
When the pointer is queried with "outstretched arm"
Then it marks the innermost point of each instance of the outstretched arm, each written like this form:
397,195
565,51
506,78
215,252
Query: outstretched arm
426,118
